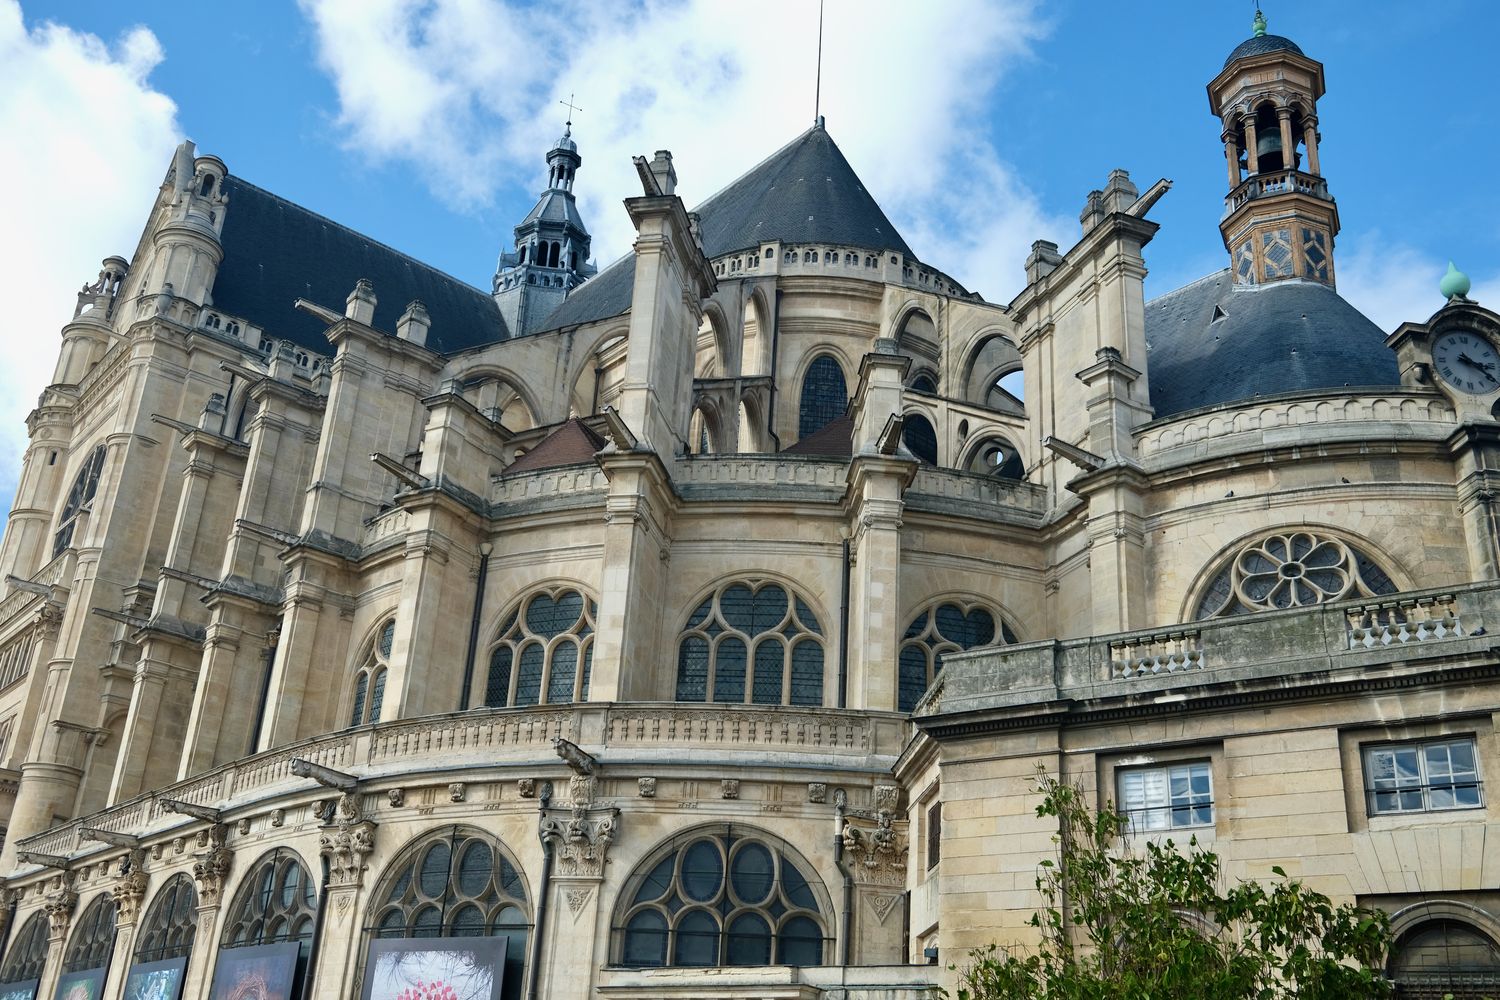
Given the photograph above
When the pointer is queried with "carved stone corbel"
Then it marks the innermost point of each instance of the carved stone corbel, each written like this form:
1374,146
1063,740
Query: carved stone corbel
60,904
346,842
875,845
129,890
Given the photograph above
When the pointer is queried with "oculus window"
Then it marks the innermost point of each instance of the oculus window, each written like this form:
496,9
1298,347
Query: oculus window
1289,570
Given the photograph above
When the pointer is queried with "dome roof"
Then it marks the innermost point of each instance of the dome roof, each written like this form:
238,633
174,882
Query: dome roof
566,143
1215,342
1261,44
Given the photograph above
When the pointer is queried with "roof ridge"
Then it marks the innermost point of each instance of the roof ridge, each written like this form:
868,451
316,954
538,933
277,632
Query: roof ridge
364,236
1214,275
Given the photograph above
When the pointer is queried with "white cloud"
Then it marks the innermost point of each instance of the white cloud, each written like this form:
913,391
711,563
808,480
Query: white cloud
1393,282
84,134
465,91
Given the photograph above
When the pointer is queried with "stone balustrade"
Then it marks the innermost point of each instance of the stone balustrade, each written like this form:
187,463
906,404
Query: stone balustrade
548,485
1278,648
56,573
1275,182
1156,653
511,738
1394,622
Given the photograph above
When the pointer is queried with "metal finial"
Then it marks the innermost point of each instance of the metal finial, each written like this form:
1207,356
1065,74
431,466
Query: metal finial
1260,22
568,131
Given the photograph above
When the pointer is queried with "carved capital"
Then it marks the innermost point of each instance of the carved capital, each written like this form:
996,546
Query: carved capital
60,905
580,842
212,865
129,890
346,846
876,850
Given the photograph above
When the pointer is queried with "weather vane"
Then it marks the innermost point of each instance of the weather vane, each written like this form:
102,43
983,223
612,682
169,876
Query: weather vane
571,108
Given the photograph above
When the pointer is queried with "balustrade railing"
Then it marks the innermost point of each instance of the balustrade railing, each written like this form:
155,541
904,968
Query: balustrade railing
1398,621
1154,654
1275,182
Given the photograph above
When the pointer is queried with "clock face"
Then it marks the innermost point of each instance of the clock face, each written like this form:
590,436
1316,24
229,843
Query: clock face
1468,362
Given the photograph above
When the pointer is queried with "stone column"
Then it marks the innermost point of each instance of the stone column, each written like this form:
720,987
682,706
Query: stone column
60,904
1232,156
210,869
579,839
129,892
1310,143
876,485
875,846
1250,144
1288,147
345,843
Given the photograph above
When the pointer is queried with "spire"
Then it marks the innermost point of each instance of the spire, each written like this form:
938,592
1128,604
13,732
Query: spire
551,250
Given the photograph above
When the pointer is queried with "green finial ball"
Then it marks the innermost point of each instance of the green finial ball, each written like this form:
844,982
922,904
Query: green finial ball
1455,283
1260,24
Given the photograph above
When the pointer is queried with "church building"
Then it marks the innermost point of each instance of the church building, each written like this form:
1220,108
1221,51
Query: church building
695,626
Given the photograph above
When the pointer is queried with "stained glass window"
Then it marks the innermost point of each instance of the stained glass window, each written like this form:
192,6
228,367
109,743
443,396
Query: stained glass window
825,396
1315,252
1291,569
546,648
946,626
1276,248
751,641
370,676
85,485
27,954
277,902
93,936
170,924
458,882
728,897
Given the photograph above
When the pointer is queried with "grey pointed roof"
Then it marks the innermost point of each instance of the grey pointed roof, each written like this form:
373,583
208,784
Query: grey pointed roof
1214,342
805,192
276,252
1262,44
556,207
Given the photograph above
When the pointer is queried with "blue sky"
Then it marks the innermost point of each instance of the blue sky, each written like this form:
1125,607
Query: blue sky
979,124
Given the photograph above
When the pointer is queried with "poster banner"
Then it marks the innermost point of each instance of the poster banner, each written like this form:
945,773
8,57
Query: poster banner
23,990
457,968
262,972
85,985
155,980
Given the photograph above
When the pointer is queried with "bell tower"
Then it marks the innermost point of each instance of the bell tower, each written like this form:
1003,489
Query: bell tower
1279,219
551,255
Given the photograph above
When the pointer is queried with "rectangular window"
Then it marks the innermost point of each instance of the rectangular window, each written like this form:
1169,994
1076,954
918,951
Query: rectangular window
1166,798
934,834
1422,777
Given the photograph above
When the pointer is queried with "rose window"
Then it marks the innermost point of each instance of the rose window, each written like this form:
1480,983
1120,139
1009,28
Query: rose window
1292,570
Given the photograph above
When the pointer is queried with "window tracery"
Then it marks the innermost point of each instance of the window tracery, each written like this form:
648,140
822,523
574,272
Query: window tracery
278,902
170,924
85,485
545,652
27,955
751,641
732,897
1291,569
825,395
457,883
944,626
370,676
93,937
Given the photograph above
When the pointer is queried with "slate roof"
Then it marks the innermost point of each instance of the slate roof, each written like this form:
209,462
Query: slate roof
276,252
805,192
1280,337
573,443
1262,44
834,439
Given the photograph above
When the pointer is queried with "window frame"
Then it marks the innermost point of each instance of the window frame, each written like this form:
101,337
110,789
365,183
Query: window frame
1169,808
372,675
515,635
1425,786
709,625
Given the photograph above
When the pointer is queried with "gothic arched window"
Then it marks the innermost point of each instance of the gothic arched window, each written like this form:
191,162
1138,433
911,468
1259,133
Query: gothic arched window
93,937
170,924
825,395
945,626
920,438
751,641
1290,569
276,903
730,896
545,651
85,485
27,954
457,883
370,676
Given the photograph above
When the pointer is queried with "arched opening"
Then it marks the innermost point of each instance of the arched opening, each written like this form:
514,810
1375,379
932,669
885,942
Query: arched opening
992,362
500,400
711,349
92,941
80,496
751,433
458,882
165,940
703,431
599,378
917,338
824,397
920,438
269,928
723,896
1445,957
26,956
755,349
996,456
924,382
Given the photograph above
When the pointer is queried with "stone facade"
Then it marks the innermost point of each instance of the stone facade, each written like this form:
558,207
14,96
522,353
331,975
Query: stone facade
588,631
